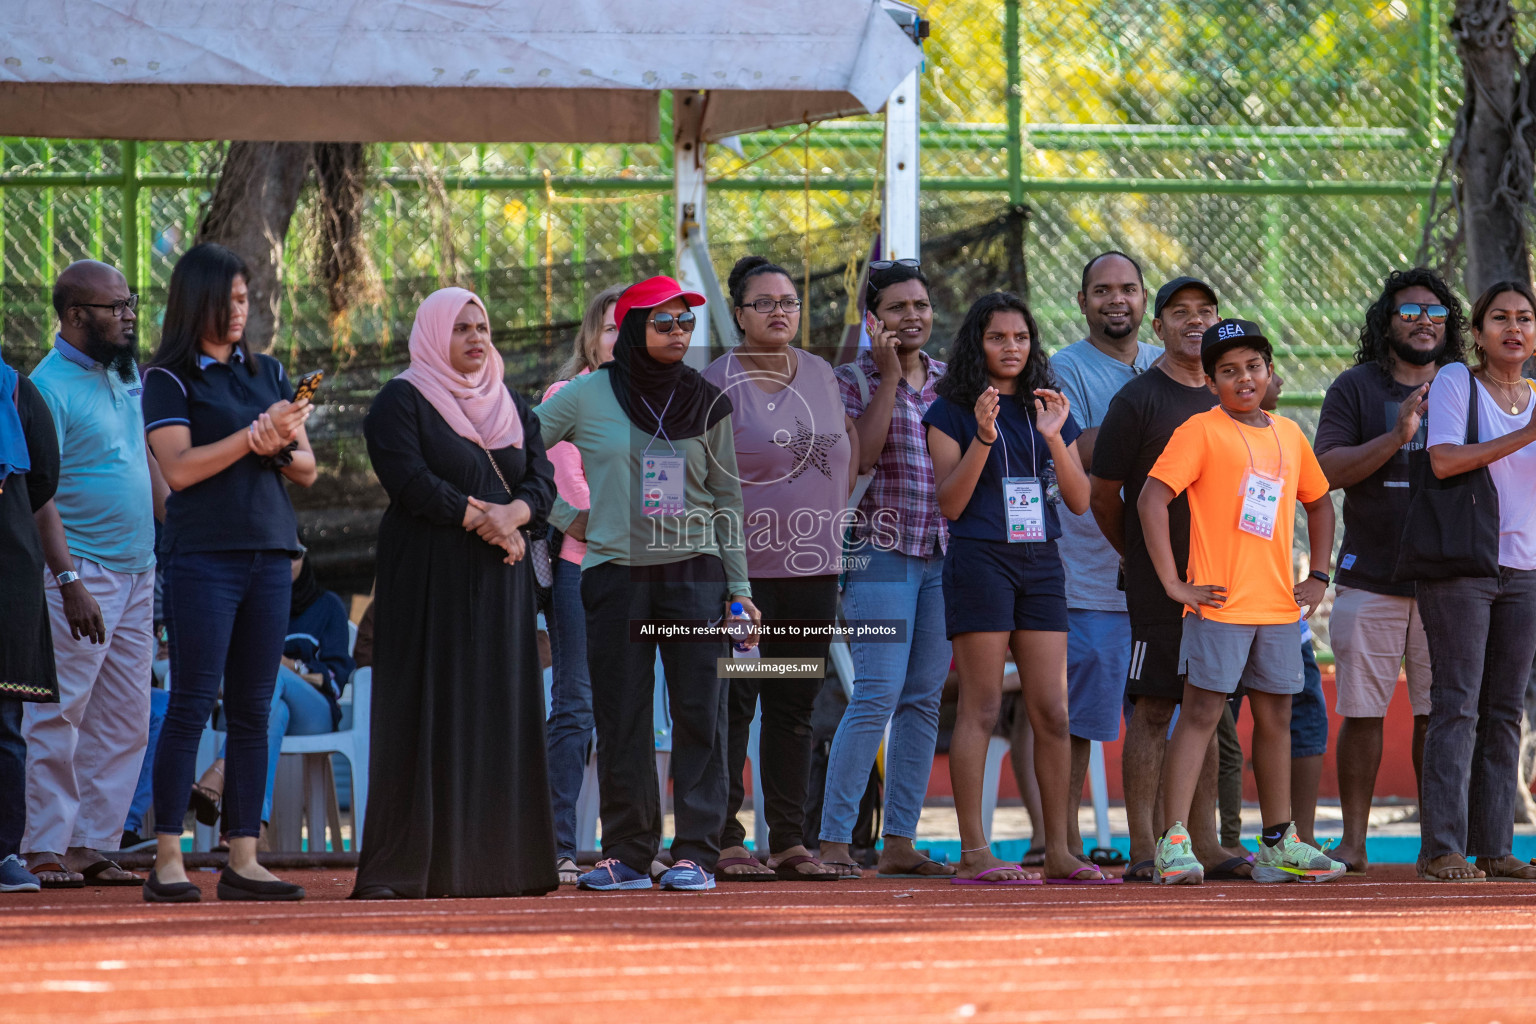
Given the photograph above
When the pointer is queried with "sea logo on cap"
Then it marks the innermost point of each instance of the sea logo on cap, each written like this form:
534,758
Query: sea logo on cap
1230,330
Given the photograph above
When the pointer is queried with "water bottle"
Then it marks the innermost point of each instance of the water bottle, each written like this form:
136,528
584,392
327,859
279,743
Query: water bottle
739,628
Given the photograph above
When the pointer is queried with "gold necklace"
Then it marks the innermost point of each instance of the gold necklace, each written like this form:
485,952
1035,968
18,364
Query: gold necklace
1514,400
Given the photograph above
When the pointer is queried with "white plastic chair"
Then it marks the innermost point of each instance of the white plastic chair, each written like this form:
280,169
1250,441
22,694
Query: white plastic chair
313,799
759,822
318,805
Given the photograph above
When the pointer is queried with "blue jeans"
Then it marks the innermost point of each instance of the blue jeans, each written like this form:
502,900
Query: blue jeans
298,709
1098,659
144,791
1309,709
896,682
568,736
13,778
227,612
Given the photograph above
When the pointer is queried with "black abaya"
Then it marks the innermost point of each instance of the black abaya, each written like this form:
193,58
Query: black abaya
459,791
26,641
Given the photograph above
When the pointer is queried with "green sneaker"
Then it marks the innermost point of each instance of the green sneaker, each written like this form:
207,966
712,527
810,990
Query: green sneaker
1176,863
1293,861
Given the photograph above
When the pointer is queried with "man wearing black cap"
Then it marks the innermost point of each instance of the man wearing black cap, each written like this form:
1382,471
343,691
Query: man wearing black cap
1140,420
1243,471
1113,300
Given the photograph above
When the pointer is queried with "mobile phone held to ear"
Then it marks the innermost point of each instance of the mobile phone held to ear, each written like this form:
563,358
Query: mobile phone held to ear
308,385
871,326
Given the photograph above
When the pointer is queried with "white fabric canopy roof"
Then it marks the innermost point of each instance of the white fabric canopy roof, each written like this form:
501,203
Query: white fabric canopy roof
436,70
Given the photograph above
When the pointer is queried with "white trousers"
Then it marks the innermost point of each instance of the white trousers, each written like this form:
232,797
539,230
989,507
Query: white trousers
84,753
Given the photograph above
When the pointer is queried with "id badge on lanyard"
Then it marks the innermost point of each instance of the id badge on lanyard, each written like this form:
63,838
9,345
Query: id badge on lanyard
1023,499
1261,494
1261,497
663,478
1025,509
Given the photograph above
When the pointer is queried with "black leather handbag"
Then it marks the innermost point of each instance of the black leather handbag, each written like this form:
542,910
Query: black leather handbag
1452,526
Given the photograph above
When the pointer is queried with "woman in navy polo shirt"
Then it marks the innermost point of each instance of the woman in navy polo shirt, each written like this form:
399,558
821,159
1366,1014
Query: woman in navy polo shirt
1002,438
226,432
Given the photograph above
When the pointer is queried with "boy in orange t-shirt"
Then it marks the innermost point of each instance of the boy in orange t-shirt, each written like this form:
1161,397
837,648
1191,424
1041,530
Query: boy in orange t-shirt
1244,470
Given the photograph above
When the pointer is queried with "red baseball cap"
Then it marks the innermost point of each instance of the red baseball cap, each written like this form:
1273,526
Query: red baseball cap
653,291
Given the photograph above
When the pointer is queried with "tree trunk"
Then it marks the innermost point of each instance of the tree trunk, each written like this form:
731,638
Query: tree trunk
258,190
340,173
1492,149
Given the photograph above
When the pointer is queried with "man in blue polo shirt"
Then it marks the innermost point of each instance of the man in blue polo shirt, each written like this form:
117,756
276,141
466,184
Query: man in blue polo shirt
84,753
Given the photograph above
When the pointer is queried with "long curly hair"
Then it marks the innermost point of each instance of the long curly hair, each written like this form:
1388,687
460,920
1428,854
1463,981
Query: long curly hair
1375,337
966,375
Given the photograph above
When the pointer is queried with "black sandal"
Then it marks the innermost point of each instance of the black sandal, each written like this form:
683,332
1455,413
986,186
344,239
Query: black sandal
204,802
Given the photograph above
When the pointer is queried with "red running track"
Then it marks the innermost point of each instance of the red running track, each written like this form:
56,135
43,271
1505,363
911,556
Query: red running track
1383,948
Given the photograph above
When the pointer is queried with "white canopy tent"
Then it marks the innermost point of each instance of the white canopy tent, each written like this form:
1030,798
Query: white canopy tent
436,70
556,71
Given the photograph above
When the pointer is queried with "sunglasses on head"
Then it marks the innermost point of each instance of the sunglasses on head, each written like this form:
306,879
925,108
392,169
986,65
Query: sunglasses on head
1408,312
664,322
888,264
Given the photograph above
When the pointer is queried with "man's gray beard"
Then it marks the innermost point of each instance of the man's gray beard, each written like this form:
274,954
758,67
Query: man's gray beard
1413,356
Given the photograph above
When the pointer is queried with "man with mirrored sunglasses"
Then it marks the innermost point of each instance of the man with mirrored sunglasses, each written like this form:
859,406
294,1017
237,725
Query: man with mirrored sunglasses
1372,417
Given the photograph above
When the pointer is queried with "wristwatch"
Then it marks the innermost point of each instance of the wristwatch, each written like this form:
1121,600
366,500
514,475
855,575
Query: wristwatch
68,577
1320,576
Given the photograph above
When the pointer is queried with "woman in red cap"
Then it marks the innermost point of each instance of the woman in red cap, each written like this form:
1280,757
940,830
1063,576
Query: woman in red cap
664,547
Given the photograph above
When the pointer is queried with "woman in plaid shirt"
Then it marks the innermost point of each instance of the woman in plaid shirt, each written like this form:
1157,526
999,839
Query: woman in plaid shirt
895,556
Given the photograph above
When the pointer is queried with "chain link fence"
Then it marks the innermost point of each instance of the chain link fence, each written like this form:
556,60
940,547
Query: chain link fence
1282,151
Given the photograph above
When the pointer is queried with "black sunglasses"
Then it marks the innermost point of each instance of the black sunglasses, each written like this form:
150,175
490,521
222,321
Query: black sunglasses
1408,312
663,322
888,264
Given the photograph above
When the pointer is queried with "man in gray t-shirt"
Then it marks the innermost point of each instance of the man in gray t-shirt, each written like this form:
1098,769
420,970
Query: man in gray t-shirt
1113,300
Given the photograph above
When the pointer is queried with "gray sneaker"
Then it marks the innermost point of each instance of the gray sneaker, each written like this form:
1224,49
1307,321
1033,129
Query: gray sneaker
14,876
1293,861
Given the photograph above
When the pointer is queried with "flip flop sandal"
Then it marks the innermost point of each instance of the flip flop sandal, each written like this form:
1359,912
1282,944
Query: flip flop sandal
1430,876
1508,878
1226,871
918,874
980,878
567,871
847,870
1075,878
1133,873
785,870
93,874
1034,858
722,875
72,879
1106,857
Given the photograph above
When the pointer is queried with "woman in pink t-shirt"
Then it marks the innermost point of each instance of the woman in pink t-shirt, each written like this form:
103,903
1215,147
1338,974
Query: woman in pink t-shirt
570,725
796,456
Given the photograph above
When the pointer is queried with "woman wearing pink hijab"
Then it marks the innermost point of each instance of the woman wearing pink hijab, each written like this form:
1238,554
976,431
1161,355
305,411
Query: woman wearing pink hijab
460,803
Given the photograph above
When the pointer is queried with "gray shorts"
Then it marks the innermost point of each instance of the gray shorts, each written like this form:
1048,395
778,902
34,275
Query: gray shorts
1219,655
